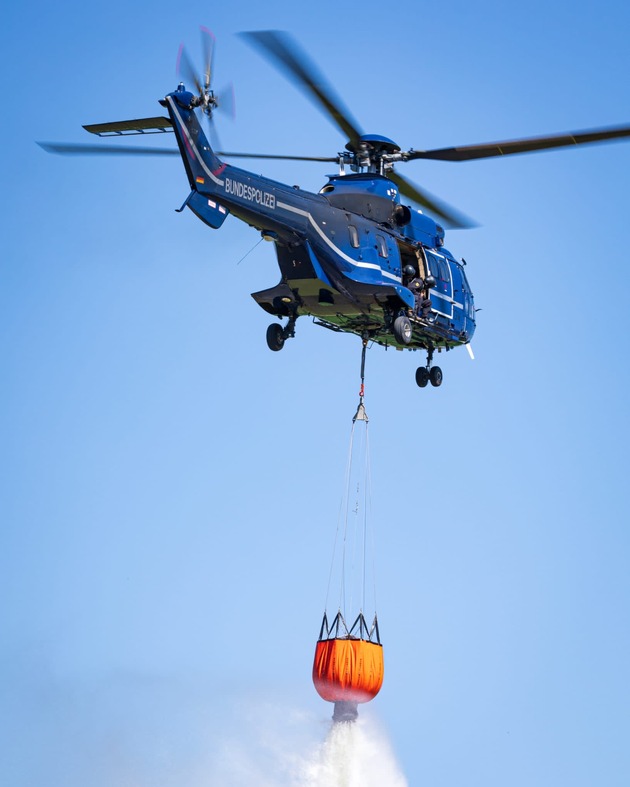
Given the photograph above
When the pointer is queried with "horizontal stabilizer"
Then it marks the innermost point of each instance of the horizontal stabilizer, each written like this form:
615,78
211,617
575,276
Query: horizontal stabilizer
159,125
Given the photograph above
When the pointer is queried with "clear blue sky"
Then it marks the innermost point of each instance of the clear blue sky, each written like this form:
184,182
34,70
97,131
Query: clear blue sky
169,488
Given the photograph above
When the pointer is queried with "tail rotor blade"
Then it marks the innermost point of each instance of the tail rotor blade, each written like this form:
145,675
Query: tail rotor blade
213,134
186,69
226,101
207,46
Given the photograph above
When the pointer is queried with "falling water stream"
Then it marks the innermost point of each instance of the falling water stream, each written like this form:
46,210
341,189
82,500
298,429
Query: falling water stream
354,754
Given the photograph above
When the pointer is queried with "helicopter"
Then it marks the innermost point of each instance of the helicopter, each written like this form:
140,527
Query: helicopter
353,256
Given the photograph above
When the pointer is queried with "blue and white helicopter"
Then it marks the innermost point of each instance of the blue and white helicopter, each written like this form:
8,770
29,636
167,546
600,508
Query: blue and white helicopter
352,256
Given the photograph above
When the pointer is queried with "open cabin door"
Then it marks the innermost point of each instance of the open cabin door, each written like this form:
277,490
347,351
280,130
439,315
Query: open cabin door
412,255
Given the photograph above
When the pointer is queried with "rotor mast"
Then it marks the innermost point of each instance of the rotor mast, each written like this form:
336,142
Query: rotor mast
370,153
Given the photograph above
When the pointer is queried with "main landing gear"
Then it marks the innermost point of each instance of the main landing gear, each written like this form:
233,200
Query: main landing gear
402,330
429,374
277,335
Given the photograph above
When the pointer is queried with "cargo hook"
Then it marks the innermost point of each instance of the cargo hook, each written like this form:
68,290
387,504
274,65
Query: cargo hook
360,414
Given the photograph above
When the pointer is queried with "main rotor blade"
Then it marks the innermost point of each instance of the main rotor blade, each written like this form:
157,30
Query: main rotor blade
451,218
286,54
277,157
72,148
527,145
69,148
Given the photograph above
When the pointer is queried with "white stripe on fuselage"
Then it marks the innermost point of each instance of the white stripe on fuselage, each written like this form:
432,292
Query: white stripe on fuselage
283,205
448,298
184,128
336,249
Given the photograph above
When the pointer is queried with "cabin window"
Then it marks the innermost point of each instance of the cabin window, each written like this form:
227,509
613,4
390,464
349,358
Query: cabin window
440,270
381,245
354,236
470,309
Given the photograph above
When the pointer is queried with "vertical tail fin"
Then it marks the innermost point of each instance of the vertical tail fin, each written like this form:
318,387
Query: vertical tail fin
203,166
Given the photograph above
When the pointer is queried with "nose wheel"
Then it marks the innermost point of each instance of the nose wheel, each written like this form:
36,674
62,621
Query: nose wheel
277,335
429,374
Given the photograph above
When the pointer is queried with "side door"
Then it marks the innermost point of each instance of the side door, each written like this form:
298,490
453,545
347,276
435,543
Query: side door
442,294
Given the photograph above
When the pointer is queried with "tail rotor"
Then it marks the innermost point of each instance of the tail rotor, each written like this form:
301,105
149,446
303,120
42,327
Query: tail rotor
206,99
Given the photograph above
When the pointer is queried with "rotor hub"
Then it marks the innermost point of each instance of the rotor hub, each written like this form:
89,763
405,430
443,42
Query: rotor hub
371,152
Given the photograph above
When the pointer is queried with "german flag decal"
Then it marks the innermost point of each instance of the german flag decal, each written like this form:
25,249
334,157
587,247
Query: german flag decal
201,181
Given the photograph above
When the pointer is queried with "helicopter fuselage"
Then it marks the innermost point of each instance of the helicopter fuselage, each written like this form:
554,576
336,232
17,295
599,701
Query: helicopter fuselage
346,255
351,256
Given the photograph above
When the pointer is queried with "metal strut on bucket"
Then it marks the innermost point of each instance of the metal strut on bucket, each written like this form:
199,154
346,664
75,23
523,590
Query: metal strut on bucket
360,414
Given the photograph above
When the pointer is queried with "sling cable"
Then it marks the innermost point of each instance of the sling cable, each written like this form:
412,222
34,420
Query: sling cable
348,663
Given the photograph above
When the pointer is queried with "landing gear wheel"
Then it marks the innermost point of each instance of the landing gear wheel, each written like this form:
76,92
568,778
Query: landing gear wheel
422,376
436,376
402,329
275,337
